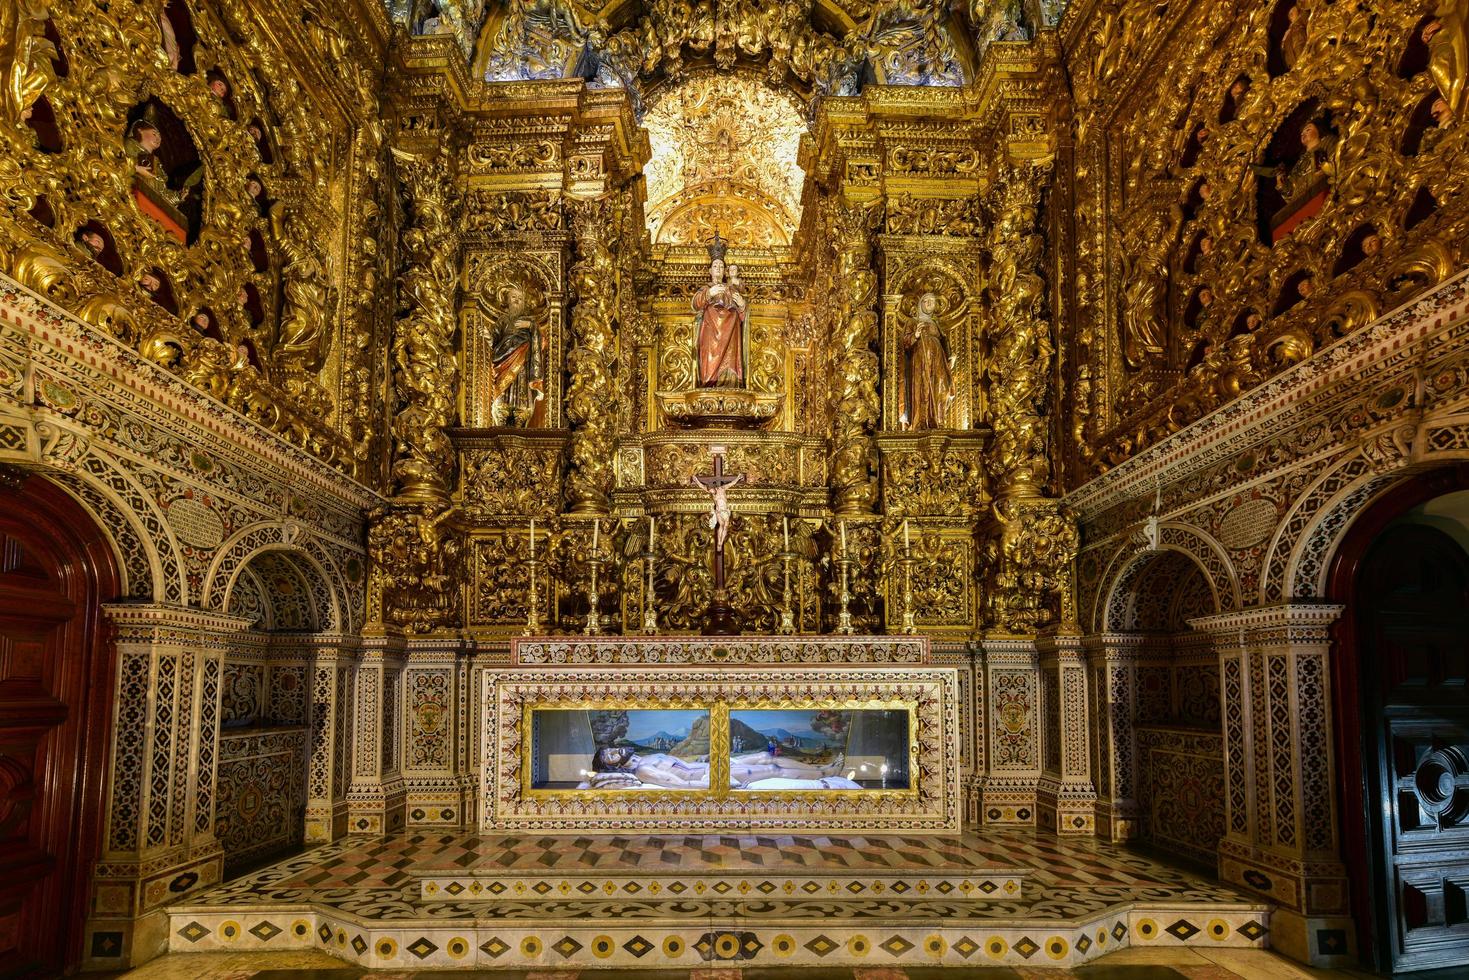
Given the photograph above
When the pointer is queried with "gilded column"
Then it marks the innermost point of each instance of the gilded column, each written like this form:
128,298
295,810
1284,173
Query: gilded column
1032,540
425,369
855,415
590,404
1281,820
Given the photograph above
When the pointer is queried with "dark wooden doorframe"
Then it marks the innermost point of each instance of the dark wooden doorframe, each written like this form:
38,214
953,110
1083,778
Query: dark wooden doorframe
66,817
1346,690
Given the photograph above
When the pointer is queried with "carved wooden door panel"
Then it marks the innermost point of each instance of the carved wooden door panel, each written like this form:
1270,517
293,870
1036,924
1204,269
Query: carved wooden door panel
1417,667
55,711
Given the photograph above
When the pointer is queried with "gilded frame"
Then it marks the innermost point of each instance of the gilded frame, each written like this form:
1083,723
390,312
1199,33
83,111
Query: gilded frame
929,805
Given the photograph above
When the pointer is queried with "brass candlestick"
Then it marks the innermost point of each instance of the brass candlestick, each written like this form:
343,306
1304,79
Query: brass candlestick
594,621
844,616
650,615
787,617
533,610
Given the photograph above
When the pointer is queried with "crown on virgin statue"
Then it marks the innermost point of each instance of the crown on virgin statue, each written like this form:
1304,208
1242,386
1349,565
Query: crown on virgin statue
717,248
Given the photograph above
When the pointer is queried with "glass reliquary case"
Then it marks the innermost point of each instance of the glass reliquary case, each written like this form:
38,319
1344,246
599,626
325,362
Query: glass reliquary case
719,749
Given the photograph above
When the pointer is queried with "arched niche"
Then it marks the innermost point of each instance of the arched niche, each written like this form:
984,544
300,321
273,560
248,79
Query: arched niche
1297,287
1429,118
222,90
1197,138
96,242
1424,206
259,255
177,37
168,176
260,137
1363,243
1292,184
1289,30
1234,98
155,284
1414,59
40,118
206,324
43,212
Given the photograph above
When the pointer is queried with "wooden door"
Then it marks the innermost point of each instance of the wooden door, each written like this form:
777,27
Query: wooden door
1415,655
55,696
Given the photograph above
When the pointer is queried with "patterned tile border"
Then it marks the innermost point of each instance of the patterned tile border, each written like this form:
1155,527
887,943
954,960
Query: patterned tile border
496,887
716,940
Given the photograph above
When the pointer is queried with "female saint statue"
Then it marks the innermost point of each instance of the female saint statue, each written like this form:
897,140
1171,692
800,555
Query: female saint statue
930,381
720,341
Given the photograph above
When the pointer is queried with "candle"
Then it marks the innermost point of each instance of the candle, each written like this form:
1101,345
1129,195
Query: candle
906,546
844,539
652,532
596,534
785,531
532,538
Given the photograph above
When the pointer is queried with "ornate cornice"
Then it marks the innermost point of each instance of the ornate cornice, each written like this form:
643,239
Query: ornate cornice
1400,337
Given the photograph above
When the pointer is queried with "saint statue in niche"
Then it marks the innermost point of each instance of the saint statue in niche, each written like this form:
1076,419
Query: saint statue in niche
720,338
167,179
1447,37
929,366
517,355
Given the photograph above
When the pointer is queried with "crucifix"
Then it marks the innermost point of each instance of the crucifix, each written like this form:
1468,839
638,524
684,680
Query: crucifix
721,619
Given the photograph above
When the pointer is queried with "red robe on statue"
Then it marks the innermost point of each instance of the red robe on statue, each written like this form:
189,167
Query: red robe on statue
721,341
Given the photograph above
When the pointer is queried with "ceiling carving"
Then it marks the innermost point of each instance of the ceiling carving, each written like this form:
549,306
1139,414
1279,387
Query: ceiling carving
724,158
816,47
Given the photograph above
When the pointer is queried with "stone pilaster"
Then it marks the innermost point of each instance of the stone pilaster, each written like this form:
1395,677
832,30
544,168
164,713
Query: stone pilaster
436,778
159,844
330,684
1066,797
1281,838
375,801
1113,658
1012,730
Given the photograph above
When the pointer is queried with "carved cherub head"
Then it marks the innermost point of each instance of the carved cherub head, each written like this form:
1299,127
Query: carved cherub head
150,282
219,87
1305,288
93,240
1371,244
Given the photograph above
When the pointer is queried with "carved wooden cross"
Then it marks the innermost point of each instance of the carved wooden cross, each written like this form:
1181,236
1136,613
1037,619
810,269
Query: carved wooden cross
721,619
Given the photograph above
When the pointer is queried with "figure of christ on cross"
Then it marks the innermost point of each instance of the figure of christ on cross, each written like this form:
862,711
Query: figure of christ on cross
721,620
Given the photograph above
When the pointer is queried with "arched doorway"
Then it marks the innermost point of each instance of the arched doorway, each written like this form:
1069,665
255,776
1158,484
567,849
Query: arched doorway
56,667
1402,674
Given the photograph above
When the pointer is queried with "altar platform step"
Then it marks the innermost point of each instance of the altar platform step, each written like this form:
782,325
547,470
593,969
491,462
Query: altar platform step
366,901
736,883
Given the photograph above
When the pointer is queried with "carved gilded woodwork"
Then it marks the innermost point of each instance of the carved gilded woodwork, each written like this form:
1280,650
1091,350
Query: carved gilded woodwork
1274,192
225,227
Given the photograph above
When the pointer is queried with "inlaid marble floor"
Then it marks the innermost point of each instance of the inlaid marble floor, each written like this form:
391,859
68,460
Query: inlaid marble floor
1131,964
990,899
